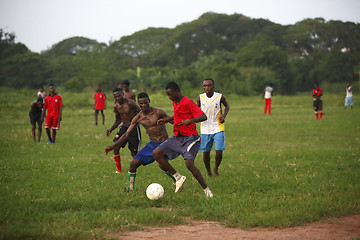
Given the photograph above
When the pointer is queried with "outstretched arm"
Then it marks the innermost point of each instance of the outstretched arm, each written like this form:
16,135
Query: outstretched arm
124,136
117,122
200,118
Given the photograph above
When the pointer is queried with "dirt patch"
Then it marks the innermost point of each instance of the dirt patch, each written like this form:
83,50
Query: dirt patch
334,228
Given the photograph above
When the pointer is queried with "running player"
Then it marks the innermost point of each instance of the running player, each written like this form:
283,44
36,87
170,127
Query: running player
186,140
213,129
125,110
148,117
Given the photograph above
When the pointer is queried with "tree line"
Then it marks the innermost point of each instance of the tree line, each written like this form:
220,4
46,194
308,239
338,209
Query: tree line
240,53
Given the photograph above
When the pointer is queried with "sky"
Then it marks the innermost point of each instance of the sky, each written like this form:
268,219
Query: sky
39,24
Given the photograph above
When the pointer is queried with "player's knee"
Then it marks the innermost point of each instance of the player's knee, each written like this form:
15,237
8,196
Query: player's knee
157,153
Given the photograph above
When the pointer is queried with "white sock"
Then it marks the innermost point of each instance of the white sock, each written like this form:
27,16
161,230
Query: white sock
177,176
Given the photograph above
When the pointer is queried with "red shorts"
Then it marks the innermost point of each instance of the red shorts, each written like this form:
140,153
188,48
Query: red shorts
52,122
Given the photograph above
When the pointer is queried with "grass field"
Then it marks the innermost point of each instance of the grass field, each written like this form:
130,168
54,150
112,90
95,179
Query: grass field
282,170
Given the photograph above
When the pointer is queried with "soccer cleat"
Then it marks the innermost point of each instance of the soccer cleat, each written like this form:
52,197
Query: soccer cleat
117,172
179,183
209,194
48,142
127,189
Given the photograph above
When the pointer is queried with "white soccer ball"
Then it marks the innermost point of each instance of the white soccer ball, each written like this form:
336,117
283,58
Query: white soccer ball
155,191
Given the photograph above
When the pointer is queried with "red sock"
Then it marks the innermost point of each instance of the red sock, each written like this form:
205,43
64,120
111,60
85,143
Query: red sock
320,115
317,115
118,162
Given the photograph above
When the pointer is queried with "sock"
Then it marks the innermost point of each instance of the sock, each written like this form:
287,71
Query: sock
118,162
131,178
177,176
172,177
54,135
317,115
321,115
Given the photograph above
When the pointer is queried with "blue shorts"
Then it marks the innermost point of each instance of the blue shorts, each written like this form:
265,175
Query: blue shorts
348,101
208,139
187,146
145,154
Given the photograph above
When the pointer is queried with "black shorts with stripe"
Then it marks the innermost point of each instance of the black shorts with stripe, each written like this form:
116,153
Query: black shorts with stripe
134,138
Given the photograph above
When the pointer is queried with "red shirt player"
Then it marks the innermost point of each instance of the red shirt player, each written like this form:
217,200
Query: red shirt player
186,140
53,104
100,104
318,105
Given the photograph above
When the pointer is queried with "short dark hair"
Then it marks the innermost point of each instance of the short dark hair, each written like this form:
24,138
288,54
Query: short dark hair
126,82
143,95
117,90
40,99
210,80
51,85
173,86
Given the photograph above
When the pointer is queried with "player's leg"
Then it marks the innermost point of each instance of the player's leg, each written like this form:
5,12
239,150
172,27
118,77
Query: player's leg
39,131
269,106
117,159
48,125
206,159
162,158
134,141
266,105
198,176
205,147
103,116
219,140
135,163
96,116
33,129
320,109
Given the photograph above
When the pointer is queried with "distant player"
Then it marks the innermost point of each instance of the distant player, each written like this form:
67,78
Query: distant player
53,104
125,110
213,129
186,140
35,117
348,96
267,96
317,104
125,86
100,104
148,117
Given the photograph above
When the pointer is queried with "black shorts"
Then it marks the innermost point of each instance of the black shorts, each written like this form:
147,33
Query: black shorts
35,117
318,105
134,138
97,111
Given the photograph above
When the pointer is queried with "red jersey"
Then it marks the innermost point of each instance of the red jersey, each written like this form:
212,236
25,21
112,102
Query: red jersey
53,104
186,109
317,93
99,100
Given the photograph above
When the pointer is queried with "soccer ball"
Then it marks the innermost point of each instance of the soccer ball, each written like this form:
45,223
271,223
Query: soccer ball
155,191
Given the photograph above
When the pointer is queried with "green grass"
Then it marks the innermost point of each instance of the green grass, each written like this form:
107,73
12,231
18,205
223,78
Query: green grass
280,170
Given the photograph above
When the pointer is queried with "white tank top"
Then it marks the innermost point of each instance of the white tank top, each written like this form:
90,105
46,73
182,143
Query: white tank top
212,109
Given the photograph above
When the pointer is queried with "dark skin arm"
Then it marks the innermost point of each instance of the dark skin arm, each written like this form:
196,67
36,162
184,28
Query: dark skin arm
124,136
227,108
200,118
116,123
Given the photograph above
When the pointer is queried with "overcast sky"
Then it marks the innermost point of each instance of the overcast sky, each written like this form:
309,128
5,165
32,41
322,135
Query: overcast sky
41,23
